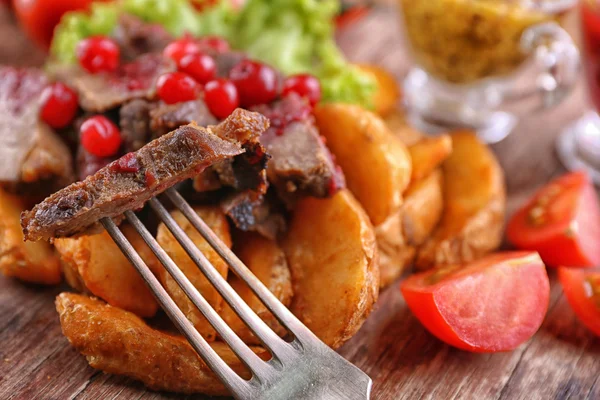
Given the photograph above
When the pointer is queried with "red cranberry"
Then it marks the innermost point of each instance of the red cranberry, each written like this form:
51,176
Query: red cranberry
179,48
98,54
214,43
175,87
305,85
59,105
199,66
256,83
100,136
221,97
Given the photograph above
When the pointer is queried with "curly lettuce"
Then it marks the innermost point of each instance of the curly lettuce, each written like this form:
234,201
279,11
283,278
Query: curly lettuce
296,36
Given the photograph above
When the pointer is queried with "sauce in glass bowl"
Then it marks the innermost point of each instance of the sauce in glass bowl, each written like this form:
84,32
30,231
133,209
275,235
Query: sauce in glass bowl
463,41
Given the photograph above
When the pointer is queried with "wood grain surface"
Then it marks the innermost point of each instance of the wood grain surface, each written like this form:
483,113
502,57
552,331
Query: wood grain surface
562,361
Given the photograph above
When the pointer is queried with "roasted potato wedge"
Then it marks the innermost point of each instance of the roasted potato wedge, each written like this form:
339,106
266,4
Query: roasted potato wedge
331,251
419,215
376,163
428,154
267,261
474,206
119,342
34,262
396,123
216,220
387,92
94,263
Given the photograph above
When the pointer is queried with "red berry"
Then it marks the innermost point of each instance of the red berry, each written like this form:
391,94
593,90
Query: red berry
305,85
98,54
176,87
100,136
221,97
181,47
214,43
200,66
59,105
256,83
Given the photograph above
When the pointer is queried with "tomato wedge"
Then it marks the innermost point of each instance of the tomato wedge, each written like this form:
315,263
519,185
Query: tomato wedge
561,222
493,304
582,289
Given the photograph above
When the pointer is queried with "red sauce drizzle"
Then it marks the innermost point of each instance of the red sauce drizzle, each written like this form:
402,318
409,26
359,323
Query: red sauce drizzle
127,163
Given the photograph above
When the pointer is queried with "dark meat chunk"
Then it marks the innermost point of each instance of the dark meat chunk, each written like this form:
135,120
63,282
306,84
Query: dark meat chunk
164,117
134,119
30,152
301,164
127,183
136,37
103,91
88,164
226,61
250,212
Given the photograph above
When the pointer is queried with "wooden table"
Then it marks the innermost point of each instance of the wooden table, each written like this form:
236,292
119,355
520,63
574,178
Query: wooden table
562,361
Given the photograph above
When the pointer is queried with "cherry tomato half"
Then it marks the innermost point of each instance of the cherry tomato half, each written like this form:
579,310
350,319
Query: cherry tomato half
39,17
582,289
561,222
493,304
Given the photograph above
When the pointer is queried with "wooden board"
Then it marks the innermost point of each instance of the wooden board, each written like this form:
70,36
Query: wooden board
562,361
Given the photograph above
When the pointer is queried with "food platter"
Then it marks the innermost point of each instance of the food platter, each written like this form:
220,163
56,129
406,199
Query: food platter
404,360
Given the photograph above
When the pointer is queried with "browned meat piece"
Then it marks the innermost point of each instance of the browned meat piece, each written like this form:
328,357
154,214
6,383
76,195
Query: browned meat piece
301,164
134,119
134,80
250,212
136,37
88,164
164,117
127,183
226,61
30,152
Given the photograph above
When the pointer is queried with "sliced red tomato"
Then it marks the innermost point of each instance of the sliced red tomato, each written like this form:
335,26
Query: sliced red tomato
493,304
561,222
39,17
582,289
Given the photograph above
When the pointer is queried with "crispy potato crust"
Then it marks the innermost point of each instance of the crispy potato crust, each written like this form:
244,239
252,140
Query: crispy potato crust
376,163
427,154
28,261
94,263
474,206
119,342
267,261
216,220
334,263
387,92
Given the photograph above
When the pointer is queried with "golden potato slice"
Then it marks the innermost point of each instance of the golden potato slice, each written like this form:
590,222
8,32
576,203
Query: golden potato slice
396,123
376,163
474,205
420,213
94,263
34,262
216,220
267,261
119,342
333,259
427,154
387,93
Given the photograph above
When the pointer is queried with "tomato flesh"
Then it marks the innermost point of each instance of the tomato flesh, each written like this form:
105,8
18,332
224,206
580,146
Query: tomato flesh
561,222
493,304
582,289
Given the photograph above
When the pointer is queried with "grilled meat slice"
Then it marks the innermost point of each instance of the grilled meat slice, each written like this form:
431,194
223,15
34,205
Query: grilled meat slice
127,183
136,37
103,91
134,118
251,212
164,117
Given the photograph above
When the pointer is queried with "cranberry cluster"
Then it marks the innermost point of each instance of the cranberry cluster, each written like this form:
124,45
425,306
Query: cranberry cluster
250,83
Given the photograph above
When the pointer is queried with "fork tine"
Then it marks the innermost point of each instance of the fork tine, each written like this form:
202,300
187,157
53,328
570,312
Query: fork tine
255,364
264,333
230,379
285,316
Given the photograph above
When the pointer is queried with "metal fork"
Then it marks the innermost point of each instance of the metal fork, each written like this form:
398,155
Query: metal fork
304,368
